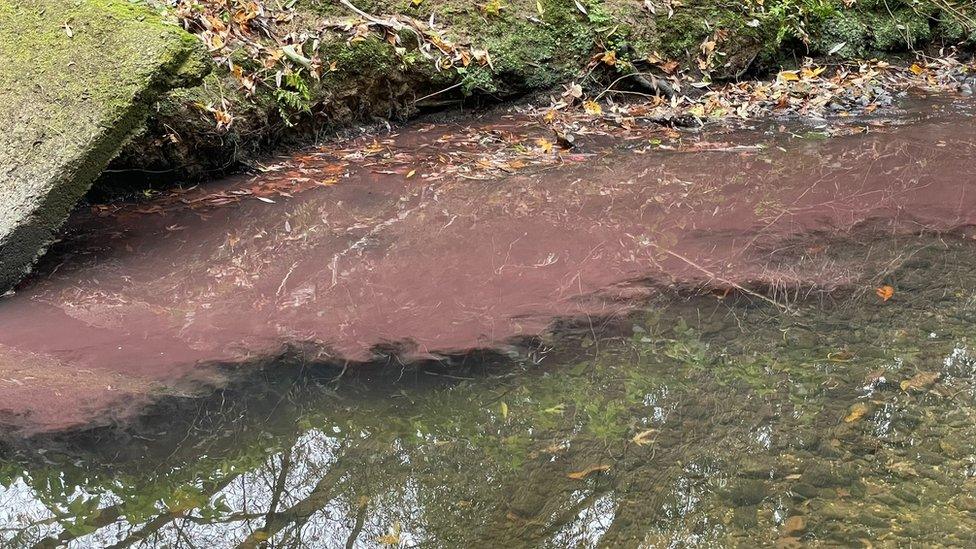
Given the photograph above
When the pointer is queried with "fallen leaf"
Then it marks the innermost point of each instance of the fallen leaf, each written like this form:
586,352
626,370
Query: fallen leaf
885,292
916,69
857,412
573,91
392,537
504,410
840,356
411,173
808,73
580,475
903,468
544,144
493,7
669,67
593,108
788,76
644,438
921,381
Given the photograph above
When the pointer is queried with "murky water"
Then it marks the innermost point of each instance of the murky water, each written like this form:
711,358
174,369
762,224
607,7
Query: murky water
698,421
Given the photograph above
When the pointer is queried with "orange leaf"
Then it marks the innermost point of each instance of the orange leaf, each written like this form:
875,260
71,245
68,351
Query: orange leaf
544,144
580,475
856,412
885,292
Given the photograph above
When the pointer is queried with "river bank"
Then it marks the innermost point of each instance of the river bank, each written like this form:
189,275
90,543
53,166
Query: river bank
290,75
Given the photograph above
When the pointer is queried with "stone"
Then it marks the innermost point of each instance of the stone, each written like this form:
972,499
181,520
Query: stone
794,525
77,79
745,492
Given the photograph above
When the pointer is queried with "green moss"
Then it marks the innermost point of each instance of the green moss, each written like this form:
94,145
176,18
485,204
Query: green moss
76,81
899,31
843,28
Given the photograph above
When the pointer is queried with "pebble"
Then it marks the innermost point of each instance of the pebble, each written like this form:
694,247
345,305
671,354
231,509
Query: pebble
794,525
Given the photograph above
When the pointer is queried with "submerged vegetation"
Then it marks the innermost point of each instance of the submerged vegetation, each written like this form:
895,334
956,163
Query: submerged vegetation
701,421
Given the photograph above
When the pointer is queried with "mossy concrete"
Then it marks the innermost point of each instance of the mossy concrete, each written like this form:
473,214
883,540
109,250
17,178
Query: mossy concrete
76,80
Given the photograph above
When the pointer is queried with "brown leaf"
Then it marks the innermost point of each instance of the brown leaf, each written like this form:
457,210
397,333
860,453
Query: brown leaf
593,108
794,525
580,475
921,381
544,144
644,438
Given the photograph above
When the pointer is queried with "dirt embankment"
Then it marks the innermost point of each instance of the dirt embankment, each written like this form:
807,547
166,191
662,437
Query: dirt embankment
292,75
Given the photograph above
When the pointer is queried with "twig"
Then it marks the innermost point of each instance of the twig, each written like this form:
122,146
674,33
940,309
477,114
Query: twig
428,96
739,287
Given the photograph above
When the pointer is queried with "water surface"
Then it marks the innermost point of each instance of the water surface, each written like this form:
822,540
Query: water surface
753,386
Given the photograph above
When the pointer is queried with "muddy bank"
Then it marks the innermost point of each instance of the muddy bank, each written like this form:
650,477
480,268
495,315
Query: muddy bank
293,75
409,248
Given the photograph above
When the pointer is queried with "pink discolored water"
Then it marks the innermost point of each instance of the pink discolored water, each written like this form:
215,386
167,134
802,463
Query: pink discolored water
395,257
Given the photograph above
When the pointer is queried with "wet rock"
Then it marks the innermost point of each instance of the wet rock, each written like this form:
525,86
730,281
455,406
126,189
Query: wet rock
794,526
789,543
804,491
929,457
76,81
906,496
808,440
746,492
823,475
745,517
966,503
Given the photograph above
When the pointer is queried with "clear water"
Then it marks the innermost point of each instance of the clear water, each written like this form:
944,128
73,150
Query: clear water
700,421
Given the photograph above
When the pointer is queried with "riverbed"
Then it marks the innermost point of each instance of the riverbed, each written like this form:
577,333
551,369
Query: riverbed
752,334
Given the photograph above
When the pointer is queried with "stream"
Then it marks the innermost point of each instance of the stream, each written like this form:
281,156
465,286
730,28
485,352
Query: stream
747,336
